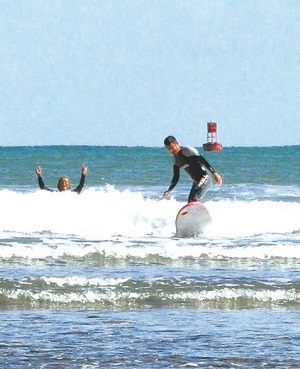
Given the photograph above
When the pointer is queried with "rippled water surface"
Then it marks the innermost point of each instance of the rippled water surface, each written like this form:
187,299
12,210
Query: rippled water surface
100,279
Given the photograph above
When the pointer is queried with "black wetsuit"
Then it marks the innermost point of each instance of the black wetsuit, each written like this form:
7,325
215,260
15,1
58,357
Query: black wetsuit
196,166
77,189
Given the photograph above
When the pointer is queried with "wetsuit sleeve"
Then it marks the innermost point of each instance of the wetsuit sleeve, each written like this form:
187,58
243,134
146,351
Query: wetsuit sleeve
203,161
42,184
175,179
79,188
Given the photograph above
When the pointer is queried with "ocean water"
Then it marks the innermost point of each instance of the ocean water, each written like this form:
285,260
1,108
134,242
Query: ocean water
100,280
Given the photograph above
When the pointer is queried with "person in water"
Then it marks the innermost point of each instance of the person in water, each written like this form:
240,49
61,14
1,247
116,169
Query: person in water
64,183
194,164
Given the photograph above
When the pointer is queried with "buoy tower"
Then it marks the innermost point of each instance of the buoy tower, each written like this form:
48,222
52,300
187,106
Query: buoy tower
212,143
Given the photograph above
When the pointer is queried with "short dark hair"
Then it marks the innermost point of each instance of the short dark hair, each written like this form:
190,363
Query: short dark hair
170,139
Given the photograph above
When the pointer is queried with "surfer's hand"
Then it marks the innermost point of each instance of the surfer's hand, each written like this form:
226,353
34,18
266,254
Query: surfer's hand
218,178
38,171
166,194
84,170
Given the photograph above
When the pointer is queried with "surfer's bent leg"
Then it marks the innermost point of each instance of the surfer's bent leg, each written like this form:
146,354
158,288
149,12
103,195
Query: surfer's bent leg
199,189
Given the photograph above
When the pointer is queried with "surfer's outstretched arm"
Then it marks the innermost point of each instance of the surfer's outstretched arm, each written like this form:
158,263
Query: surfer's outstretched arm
175,179
40,180
216,176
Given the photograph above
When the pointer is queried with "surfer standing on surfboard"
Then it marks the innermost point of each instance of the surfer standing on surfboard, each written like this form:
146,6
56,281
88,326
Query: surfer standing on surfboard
64,183
194,164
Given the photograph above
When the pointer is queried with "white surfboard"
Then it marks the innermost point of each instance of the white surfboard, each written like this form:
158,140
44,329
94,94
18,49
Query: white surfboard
191,219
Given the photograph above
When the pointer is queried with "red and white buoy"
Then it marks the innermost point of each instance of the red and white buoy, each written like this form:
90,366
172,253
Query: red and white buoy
212,143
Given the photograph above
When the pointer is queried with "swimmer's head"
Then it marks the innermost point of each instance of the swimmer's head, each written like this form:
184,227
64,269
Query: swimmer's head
63,184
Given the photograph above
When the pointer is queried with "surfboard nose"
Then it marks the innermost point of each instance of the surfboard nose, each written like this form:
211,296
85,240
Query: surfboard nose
191,220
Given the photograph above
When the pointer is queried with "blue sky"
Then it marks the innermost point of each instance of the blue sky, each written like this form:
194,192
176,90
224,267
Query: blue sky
130,72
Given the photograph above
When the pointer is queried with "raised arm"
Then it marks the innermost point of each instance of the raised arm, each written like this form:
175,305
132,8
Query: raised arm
41,183
79,188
